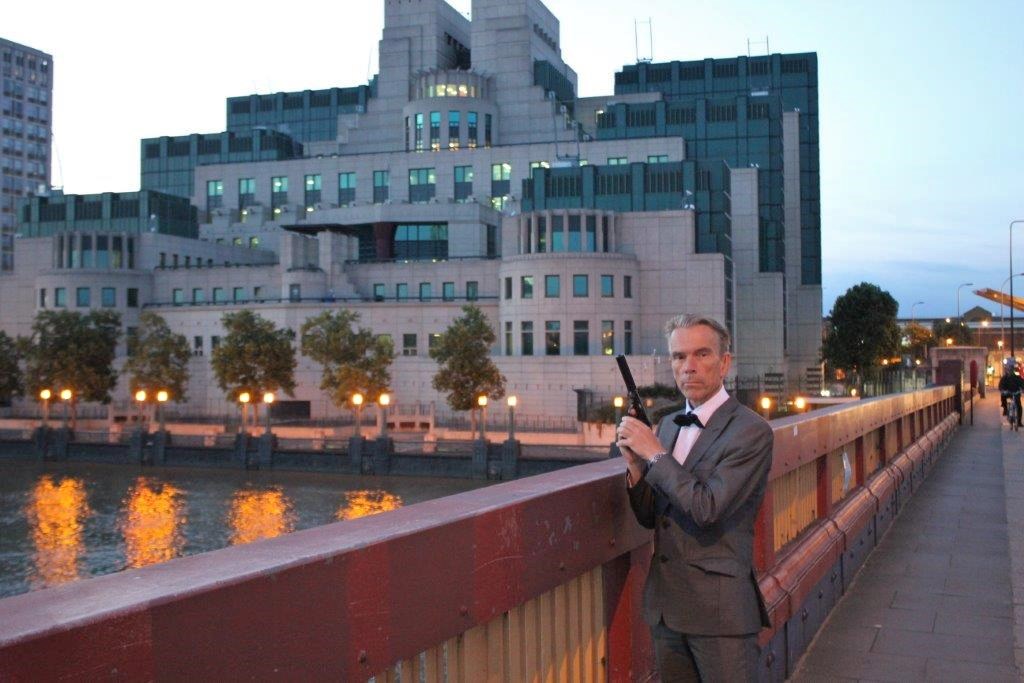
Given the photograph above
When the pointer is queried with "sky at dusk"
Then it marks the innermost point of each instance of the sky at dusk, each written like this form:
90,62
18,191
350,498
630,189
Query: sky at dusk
922,149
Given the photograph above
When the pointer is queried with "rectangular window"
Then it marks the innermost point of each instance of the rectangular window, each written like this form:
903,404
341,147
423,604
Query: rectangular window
214,194
246,192
448,291
542,235
214,342
278,193
418,135
425,291
257,293
295,292
238,294
608,337
552,286
580,285
82,297
453,130
378,291
108,297
42,298
381,186
526,287
627,337
313,185
401,291
132,298
60,297
408,344
508,288
198,295
218,295
657,158
471,127
178,296
526,335
432,340
508,337
607,286
254,242
557,234
487,130
435,130
580,337
197,346
501,171
627,286
346,188
552,337
463,183
617,161
422,185
590,244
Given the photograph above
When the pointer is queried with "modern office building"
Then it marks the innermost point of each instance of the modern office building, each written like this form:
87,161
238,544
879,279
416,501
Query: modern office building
468,170
26,106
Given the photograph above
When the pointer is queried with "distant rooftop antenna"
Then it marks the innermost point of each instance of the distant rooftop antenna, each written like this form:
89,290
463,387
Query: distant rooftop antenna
760,81
646,55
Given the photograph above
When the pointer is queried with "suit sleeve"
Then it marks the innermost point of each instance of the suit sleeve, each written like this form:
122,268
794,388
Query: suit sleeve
641,499
738,475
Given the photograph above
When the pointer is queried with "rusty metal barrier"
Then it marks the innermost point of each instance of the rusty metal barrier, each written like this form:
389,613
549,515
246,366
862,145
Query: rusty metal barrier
538,578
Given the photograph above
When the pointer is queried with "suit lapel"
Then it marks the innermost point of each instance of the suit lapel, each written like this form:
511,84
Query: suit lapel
668,431
711,432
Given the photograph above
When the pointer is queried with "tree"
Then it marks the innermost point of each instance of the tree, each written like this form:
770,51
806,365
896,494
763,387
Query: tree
69,350
158,358
955,330
353,360
10,371
254,356
463,354
917,339
864,329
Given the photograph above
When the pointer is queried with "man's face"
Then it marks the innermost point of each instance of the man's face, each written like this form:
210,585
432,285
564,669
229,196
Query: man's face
697,364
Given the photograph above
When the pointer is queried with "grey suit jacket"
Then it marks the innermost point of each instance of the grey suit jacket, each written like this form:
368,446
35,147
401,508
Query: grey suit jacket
701,580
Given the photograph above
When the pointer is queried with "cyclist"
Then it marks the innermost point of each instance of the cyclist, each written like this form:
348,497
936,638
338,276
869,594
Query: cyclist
1011,383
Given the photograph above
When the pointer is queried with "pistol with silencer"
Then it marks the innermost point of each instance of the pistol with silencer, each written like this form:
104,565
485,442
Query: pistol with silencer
636,406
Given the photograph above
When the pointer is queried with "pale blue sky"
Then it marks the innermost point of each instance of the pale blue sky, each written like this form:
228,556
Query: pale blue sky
922,153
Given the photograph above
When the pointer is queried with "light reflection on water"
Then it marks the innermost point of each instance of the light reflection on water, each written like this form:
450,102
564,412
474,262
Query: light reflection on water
60,522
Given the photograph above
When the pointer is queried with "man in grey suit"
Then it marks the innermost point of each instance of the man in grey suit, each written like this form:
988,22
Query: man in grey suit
698,483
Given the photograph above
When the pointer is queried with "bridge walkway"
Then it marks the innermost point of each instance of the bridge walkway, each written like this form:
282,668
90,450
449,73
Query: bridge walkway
942,595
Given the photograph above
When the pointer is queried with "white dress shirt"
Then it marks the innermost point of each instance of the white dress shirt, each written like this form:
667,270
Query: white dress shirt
688,435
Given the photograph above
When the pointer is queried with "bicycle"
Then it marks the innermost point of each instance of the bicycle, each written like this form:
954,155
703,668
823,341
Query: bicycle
1011,408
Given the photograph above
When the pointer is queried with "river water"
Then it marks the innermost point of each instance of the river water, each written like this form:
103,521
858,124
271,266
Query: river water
62,522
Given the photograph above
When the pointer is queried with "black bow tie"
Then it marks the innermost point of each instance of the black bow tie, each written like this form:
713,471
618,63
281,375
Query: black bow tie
687,420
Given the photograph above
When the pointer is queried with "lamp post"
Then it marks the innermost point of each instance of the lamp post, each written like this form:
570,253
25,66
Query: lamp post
243,399
268,398
1002,318
617,403
512,401
357,401
44,396
481,401
912,307
140,400
800,403
958,288
766,406
65,395
984,325
161,399
1012,348
384,402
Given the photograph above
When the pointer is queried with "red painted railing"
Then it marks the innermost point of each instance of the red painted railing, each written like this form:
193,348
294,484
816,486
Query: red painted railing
349,601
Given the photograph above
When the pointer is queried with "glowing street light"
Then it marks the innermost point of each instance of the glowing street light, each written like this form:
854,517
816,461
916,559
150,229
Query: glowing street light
161,399
800,403
617,403
766,406
357,401
44,396
243,399
268,398
384,401
512,402
65,395
481,401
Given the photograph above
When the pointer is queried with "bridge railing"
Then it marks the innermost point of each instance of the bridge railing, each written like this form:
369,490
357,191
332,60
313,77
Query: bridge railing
540,576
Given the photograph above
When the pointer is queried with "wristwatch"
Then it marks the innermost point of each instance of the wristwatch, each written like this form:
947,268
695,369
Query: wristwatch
655,458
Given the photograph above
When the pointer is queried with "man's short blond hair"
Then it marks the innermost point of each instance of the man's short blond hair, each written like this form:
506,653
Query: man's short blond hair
688,320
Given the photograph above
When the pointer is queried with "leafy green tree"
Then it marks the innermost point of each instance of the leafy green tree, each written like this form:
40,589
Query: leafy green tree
10,371
158,358
917,339
353,360
253,356
955,330
68,350
863,329
463,354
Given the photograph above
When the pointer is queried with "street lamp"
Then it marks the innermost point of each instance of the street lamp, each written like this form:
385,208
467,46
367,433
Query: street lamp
800,403
357,401
44,396
766,406
161,399
140,399
384,401
958,288
268,398
65,395
912,307
1002,319
512,401
243,399
618,402
1012,223
481,401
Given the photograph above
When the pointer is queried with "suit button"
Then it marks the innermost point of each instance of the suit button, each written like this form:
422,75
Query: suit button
665,524
664,558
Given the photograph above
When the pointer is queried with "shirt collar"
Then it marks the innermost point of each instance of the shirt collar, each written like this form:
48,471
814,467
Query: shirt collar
705,410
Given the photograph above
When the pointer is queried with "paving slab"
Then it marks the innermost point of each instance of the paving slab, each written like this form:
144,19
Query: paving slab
942,596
